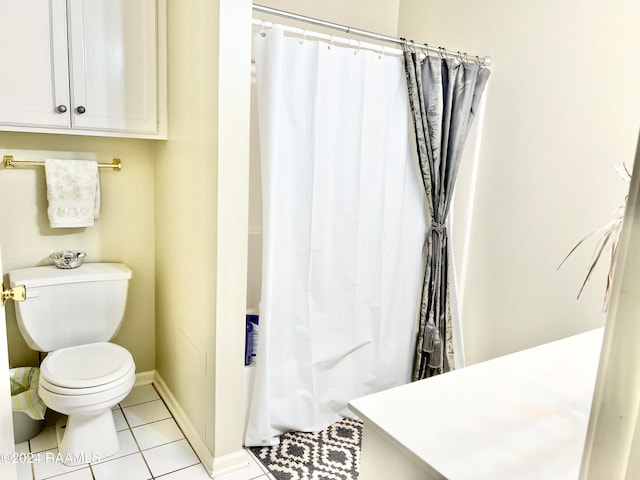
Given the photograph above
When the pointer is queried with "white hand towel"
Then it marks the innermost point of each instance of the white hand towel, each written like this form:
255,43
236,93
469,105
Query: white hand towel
73,192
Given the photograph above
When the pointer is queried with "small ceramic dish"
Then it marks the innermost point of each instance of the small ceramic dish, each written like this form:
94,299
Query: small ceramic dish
67,258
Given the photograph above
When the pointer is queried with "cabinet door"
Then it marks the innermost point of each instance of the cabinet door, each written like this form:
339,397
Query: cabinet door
34,79
113,65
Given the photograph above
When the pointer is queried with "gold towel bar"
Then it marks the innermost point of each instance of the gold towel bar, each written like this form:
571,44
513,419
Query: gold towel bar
9,162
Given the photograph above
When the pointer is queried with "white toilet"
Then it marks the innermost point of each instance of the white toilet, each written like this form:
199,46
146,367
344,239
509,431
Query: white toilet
72,314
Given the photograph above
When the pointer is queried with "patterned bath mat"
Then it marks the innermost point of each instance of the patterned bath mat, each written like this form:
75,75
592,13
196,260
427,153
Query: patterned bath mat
332,454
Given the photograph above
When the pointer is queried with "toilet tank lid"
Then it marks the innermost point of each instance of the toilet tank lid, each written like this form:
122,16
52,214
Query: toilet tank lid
51,275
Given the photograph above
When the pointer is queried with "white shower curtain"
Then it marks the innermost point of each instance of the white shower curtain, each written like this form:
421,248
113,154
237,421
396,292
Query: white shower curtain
343,233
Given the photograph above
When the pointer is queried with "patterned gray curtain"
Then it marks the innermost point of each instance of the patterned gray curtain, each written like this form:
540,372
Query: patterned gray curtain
444,94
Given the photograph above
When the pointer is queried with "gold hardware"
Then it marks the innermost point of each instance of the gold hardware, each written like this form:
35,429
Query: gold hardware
9,162
17,294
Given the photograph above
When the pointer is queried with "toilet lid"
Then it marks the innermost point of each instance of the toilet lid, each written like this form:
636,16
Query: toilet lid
83,366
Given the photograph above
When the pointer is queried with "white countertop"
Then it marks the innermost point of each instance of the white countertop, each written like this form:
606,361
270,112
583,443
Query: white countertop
518,417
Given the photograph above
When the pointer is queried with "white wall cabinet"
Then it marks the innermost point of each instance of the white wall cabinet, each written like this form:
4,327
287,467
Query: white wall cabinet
88,67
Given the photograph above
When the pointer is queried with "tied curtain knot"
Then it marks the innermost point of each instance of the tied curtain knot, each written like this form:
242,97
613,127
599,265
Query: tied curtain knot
438,228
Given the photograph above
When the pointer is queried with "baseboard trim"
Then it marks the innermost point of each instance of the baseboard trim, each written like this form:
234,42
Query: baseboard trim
190,432
230,463
144,378
215,466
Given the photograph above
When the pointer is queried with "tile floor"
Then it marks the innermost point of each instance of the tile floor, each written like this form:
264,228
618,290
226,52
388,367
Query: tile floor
151,446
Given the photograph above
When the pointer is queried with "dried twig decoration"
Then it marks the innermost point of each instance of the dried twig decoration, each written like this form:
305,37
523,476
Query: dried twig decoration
609,237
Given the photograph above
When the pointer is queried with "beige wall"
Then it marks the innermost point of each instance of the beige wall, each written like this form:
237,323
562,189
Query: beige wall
561,110
185,206
123,233
201,219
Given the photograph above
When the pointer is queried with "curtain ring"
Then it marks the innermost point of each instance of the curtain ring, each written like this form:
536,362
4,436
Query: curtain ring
381,51
304,36
478,61
331,44
357,51
413,46
442,52
262,29
425,49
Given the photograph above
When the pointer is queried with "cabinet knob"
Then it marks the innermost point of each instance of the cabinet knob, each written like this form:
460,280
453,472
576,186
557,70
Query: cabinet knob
62,108
81,110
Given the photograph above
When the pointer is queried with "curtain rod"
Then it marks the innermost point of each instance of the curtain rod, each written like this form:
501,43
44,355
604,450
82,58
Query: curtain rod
484,61
347,42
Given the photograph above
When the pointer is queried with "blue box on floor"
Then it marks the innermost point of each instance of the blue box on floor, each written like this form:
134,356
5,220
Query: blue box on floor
251,338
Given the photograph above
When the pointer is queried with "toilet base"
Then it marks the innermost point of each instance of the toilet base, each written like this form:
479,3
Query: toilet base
77,440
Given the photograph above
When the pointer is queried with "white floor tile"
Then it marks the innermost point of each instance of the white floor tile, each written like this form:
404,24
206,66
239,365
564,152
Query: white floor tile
50,466
141,394
170,457
127,446
118,419
22,447
45,440
131,467
197,472
157,433
143,423
84,474
147,412
24,471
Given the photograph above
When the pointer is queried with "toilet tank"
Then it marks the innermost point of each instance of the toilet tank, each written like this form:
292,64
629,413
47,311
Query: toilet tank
71,307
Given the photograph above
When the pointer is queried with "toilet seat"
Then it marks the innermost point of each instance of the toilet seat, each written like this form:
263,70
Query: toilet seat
86,369
82,400
86,378
105,387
